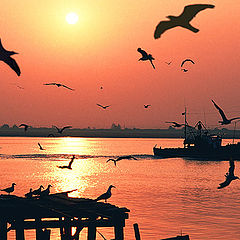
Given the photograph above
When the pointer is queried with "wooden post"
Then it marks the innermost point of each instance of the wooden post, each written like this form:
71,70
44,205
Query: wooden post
20,229
136,231
67,228
3,229
118,230
91,232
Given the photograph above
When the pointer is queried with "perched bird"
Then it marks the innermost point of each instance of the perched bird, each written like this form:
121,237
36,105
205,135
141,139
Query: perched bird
106,195
60,130
59,85
29,194
5,56
38,191
120,158
146,56
147,105
184,69
69,166
187,60
224,121
182,20
45,192
9,189
229,175
40,146
104,107
175,124
25,126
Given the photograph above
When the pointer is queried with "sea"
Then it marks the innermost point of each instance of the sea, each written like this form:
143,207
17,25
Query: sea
166,197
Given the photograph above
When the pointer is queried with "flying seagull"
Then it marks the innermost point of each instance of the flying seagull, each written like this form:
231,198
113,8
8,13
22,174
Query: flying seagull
187,60
69,166
5,56
183,20
40,146
104,107
25,126
120,158
229,175
59,85
224,121
146,56
9,189
184,69
147,105
106,195
60,130
38,191
168,63
175,124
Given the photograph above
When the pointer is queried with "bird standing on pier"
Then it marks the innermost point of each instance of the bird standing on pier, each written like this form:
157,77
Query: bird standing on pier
224,121
69,166
145,56
9,189
45,192
106,195
29,194
229,175
5,56
183,20
38,191
120,158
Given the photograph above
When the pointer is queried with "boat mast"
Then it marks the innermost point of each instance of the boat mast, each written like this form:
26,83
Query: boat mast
185,125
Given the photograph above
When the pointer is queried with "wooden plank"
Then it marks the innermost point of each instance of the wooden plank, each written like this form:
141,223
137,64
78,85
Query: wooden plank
92,232
3,229
136,231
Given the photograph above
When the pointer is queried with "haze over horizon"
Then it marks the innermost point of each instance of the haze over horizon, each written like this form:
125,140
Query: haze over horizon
100,50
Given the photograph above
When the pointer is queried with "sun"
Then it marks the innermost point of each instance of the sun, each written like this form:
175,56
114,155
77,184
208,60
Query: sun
71,18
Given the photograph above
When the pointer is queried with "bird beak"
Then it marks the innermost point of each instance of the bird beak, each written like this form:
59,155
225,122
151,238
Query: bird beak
113,186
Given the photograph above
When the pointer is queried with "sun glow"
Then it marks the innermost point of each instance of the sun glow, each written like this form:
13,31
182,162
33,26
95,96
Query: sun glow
71,18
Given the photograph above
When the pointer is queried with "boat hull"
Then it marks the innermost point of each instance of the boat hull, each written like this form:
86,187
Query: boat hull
222,153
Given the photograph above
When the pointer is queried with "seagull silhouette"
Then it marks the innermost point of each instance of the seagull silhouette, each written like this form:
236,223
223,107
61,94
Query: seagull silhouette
60,130
121,158
187,60
29,194
38,191
147,105
229,175
5,56
104,107
9,189
224,121
59,85
146,56
168,63
69,166
182,20
106,195
45,192
184,70
40,147
25,126
175,124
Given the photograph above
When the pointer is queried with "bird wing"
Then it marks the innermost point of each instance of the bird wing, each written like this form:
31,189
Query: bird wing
144,53
234,118
99,105
70,163
152,63
13,64
40,145
23,125
190,11
67,87
231,168
57,128
220,111
49,84
225,183
107,106
1,46
65,127
162,27
187,60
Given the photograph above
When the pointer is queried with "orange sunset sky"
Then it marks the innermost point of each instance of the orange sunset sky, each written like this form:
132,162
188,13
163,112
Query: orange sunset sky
101,50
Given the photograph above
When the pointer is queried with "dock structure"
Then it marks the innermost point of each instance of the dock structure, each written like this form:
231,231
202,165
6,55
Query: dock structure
59,211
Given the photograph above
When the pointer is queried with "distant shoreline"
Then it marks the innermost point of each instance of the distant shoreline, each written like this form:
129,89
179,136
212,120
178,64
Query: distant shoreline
109,133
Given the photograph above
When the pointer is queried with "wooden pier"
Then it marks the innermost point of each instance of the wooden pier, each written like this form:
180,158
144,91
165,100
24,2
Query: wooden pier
59,211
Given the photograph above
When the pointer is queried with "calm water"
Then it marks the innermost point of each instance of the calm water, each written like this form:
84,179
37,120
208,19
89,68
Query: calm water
165,196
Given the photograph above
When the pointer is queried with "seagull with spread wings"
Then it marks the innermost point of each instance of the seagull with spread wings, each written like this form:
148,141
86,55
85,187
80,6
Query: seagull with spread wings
229,175
25,126
224,121
175,124
187,60
60,130
59,85
121,158
147,105
5,56
69,166
146,56
183,20
103,107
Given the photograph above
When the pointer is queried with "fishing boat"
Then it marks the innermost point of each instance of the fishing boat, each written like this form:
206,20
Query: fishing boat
199,143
